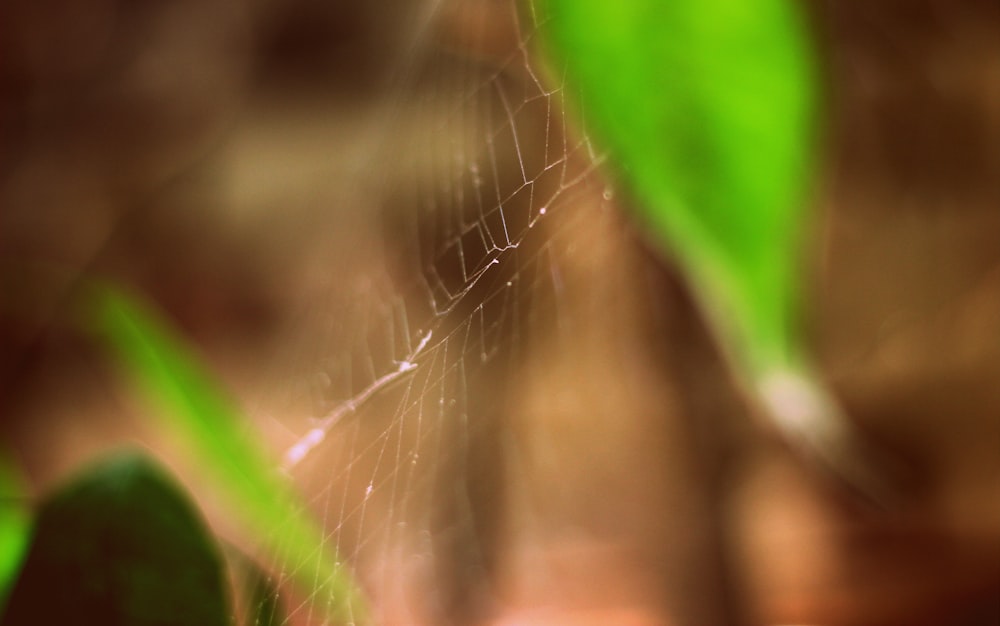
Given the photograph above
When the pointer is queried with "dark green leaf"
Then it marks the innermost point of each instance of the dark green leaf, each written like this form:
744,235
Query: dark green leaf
121,545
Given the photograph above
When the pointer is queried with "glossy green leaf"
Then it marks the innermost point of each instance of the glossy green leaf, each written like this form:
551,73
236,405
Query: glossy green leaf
191,404
705,109
15,524
120,545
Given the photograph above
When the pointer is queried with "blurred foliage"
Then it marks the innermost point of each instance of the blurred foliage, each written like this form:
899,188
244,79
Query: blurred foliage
15,524
706,112
191,405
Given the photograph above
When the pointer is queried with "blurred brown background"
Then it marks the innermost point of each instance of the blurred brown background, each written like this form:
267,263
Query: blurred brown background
281,177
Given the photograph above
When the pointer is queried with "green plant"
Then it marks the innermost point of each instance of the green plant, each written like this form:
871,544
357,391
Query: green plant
121,544
15,523
190,403
707,113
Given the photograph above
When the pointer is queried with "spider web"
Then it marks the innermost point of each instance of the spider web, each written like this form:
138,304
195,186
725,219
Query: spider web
451,278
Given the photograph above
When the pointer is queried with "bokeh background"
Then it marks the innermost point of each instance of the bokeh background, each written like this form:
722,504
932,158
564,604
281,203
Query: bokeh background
261,170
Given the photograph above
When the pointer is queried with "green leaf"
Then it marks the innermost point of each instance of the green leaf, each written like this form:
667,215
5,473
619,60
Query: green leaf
192,405
120,545
15,524
706,111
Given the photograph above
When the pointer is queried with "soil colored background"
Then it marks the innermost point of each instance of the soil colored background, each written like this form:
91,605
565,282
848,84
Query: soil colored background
638,490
